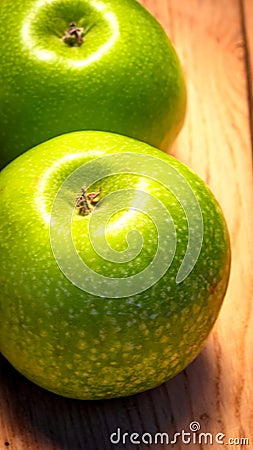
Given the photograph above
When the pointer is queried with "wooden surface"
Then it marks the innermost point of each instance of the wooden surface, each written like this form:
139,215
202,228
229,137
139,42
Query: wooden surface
215,41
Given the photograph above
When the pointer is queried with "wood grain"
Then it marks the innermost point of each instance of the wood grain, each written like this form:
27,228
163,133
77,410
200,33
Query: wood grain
214,40
247,27
216,143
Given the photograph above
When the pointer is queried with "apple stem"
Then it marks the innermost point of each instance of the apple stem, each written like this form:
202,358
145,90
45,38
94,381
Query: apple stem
85,203
73,36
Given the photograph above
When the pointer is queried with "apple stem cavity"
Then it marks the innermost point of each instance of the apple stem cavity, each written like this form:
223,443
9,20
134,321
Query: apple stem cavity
73,36
85,203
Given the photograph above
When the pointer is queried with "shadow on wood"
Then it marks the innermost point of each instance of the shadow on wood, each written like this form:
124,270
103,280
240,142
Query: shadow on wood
42,419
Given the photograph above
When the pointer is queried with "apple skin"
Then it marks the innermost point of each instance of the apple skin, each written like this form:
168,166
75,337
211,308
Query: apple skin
88,346
125,77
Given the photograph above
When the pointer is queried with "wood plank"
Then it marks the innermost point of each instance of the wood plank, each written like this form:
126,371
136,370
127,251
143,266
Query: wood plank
216,389
247,20
216,143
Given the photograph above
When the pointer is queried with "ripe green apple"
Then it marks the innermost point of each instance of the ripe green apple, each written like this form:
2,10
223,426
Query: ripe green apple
115,260
70,65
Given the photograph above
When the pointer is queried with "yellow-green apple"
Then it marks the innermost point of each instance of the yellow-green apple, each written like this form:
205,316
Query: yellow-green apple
114,259
70,65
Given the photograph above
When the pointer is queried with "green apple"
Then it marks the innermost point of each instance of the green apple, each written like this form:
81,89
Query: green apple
115,260
69,65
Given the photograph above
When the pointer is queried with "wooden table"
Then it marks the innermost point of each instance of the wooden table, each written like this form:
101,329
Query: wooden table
215,41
